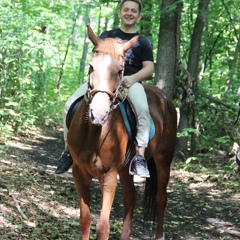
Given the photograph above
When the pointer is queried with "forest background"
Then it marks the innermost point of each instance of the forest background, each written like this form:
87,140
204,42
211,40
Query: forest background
44,54
45,50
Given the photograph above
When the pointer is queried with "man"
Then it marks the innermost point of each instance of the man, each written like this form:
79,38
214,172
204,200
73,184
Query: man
139,66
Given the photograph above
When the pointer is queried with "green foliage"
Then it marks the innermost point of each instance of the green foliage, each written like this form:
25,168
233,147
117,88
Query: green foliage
190,164
186,132
33,40
216,126
218,72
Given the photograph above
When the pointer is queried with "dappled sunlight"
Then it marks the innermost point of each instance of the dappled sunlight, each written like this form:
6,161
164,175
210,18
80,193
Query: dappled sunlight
204,195
205,185
7,162
236,197
4,220
198,181
222,226
199,207
22,146
215,194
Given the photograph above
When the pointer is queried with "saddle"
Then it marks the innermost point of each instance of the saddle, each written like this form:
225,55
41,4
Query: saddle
129,121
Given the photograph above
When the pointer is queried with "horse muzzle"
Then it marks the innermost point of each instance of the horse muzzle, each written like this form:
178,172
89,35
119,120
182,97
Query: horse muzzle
97,120
99,109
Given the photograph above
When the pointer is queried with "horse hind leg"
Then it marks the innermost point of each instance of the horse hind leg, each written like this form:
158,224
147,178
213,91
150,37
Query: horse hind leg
155,196
163,173
161,238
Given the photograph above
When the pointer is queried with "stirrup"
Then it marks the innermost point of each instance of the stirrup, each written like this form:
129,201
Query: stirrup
140,168
130,167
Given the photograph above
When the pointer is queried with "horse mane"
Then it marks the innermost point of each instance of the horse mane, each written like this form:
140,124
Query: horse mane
110,46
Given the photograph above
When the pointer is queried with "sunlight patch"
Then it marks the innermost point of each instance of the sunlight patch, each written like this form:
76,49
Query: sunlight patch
200,185
224,226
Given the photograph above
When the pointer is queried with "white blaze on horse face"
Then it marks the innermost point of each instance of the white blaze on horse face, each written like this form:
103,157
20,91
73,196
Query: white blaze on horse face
107,60
102,79
100,105
101,66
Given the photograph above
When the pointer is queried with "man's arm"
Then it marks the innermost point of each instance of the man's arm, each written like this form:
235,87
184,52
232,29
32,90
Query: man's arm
144,74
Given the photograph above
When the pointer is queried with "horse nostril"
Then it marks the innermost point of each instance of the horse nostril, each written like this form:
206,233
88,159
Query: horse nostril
92,116
105,116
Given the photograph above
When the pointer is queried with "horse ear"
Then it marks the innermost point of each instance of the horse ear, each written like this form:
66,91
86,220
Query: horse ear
94,39
131,43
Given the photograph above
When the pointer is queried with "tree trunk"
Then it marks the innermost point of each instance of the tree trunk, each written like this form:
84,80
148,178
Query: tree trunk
84,51
165,77
232,69
187,111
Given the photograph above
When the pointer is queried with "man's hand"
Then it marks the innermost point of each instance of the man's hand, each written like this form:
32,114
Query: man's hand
128,81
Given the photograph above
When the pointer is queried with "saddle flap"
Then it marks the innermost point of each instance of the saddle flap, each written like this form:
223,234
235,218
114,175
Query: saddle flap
73,108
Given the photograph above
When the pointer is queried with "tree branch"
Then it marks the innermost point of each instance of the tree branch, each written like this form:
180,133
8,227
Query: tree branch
212,99
2,185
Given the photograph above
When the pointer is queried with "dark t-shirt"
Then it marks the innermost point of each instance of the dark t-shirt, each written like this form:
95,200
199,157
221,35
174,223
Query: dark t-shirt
141,52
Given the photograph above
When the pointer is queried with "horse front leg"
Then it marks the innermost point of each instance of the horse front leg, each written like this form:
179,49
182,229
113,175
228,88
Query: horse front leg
108,183
84,194
129,199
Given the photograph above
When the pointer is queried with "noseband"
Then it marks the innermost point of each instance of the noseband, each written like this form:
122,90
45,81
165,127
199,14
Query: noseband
112,95
96,90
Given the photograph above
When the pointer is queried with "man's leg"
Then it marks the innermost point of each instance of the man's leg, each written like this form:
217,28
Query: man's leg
138,98
66,161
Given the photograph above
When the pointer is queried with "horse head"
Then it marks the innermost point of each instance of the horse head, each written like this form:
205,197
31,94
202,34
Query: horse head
106,70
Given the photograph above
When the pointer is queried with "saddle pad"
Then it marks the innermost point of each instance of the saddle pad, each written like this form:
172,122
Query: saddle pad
128,127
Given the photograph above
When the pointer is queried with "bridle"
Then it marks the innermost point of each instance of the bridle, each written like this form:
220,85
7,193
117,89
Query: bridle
114,96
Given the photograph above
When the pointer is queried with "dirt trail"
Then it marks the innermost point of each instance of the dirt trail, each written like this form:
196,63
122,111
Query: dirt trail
35,204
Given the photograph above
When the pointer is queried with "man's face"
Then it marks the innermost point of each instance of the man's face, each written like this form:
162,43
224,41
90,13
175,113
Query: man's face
129,14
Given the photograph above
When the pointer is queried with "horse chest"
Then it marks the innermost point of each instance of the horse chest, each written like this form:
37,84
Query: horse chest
92,160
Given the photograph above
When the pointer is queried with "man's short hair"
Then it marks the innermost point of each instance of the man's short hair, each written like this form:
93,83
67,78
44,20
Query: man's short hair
136,1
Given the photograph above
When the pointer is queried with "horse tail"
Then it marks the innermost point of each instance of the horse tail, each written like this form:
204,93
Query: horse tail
149,202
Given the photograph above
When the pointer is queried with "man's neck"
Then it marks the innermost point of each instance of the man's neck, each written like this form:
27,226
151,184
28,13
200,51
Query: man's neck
130,29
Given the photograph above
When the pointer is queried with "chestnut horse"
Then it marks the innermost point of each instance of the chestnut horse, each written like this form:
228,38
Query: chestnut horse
98,142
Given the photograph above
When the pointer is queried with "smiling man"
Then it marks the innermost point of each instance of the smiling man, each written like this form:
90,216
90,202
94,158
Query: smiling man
139,66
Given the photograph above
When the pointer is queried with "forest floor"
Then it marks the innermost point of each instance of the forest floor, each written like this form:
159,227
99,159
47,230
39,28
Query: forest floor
36,204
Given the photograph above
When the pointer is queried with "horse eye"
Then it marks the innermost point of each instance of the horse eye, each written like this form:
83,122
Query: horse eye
90,69
120,72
